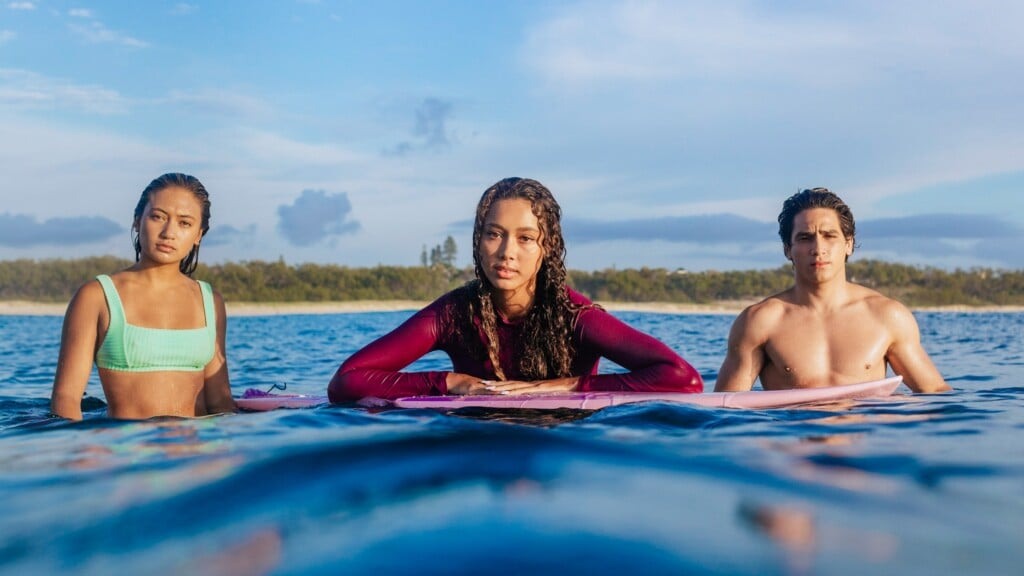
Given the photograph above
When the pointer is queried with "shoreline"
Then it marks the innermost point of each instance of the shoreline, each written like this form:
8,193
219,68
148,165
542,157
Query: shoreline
27,308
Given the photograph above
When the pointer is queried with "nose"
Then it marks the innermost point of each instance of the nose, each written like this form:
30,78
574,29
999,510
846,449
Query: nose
167,230
506,250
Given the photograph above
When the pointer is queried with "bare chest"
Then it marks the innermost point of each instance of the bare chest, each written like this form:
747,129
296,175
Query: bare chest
171,309
809,352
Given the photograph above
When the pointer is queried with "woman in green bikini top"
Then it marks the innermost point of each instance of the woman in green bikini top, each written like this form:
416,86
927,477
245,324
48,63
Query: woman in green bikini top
155,334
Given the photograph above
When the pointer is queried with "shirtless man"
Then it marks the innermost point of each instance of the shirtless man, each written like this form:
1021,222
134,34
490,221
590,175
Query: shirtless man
824,331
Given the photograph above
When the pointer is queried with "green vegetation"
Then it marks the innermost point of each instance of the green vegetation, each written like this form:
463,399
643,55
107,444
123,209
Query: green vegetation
56,281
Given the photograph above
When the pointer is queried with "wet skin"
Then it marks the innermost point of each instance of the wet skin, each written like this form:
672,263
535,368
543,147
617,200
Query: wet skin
155,294
824,331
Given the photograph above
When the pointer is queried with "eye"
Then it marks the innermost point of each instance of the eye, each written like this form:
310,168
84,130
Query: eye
526,239
493,234
186,224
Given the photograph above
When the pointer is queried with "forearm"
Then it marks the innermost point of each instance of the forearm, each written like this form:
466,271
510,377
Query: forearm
353,384
66,405
652,366
662,377
733,384
220,404
735,376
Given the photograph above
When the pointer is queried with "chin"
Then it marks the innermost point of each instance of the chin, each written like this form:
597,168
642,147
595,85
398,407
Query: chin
504,285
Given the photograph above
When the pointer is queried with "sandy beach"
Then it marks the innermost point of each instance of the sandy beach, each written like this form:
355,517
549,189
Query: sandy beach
26,308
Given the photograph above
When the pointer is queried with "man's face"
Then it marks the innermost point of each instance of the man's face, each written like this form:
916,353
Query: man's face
818,248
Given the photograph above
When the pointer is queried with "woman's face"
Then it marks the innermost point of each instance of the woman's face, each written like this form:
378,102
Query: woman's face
510,248
170,226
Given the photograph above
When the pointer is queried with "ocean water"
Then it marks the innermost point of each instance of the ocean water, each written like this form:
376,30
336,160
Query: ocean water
905,485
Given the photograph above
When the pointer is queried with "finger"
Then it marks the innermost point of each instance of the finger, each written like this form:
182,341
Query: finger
509,385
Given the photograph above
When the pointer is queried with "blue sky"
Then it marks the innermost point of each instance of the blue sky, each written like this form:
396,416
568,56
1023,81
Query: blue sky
670,132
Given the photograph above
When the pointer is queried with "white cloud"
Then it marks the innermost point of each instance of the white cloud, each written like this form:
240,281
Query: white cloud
80,13
96,32
219,102
58,171
21,89
6,36
272,149
21,5
626,41
733,99
183,9
655,41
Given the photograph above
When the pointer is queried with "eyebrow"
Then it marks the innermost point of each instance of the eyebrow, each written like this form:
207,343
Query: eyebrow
166,211
520,229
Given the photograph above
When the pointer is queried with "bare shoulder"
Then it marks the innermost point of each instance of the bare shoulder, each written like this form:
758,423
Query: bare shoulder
892,314
89,296
760,319
770,310
881,306
87,308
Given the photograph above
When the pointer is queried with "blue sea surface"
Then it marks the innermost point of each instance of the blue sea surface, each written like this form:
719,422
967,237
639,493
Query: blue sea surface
903,485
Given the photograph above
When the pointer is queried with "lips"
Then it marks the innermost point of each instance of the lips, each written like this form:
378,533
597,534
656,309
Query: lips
505,273
165,248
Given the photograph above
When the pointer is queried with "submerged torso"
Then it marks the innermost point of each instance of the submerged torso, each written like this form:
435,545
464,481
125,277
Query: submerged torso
147,371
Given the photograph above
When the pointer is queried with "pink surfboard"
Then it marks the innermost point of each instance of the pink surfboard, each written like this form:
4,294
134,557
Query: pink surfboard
596,400
260,401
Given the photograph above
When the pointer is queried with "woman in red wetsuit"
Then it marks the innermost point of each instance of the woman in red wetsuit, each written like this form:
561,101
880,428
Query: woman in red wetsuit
517,328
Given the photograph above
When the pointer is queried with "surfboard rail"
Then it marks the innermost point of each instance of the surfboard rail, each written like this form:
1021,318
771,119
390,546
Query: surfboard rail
257,400
753,399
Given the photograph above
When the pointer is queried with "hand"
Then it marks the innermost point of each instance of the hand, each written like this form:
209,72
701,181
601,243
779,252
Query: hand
512,387
464,384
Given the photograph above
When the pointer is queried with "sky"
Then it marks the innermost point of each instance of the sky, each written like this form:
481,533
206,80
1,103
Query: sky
356,133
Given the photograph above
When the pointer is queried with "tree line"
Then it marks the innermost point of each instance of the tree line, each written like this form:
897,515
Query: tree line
259,281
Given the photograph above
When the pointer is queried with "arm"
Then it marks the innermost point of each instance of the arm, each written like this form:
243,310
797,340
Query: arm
374,370
216,394
653,366
906,355
744,357
77,348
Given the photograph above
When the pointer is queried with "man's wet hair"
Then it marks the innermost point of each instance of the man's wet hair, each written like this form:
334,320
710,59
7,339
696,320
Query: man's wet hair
814,198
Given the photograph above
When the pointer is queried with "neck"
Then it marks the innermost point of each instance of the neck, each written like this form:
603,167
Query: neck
513,304
153,272
821,296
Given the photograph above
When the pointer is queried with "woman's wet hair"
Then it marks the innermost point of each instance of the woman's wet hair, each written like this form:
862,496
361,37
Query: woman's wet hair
547,329
814,198
174,180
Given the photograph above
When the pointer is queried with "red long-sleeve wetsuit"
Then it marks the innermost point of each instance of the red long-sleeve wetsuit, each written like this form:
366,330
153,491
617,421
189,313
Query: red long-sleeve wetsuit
376,369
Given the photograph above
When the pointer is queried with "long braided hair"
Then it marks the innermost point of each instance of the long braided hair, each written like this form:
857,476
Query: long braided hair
547,342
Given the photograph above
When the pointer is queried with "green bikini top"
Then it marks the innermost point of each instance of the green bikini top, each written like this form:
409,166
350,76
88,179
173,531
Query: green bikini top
128,348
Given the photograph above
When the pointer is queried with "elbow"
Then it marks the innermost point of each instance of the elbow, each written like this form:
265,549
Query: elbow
342,387
686,378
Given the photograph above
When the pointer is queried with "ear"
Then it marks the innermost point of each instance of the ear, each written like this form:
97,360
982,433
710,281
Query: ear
849,247
786,250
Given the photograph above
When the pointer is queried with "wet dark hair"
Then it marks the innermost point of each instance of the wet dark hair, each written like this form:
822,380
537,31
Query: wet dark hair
547,339
815,198
174,180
